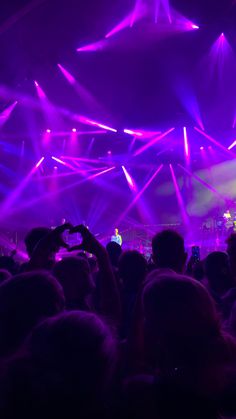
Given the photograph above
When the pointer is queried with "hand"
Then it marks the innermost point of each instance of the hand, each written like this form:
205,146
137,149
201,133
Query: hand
89,243
55,237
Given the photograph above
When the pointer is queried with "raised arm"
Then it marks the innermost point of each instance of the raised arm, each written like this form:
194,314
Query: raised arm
110,299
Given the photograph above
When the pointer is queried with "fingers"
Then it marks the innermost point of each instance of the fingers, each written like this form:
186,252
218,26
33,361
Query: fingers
79,229
73,248
62,228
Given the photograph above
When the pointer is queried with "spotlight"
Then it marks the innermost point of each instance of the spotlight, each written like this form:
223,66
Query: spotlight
195,26
48,131
74,130
55,168
201,148
109,152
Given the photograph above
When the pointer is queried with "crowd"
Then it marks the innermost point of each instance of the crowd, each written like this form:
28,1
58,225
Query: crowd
106,333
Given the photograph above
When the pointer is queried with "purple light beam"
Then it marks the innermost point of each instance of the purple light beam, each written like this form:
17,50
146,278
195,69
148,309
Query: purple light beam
138,196
11,199
200,180
179,197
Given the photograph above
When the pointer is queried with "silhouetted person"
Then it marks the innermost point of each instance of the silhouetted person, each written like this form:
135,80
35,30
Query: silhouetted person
8,263
114,252
75,277
33,238
4,275
132,271
186,353
25,300
231,250
67,372
168,251
218,273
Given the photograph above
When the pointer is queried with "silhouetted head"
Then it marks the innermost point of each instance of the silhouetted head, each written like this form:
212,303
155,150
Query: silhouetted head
66,371
33,238
168,250
25,300
181,322
9,264
4,275
77,345
231,250
114,251
132,269
74,275
217,270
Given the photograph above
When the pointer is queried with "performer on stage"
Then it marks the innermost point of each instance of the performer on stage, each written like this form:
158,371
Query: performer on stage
227,215
116,237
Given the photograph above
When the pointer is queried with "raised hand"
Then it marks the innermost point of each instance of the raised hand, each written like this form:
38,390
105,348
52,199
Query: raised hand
56,235
89,243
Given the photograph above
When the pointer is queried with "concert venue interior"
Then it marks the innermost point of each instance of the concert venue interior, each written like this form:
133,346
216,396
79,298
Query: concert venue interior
118,114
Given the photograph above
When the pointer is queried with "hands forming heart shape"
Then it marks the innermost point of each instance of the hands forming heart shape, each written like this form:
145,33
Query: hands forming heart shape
89,242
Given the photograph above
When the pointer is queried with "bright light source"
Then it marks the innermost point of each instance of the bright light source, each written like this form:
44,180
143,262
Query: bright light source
39,162
74,130
129,179
131,132
48,131
201,148
186,146
232,145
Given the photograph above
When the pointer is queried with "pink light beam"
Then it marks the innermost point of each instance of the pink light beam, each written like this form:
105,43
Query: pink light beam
152,142
138,196
137,14
95,46
11,199
134,133
200,180
63,163
39,162
82,91
40,92
219,145
67,75
5,115
129,179
97,124
186,145
34,201
232,145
